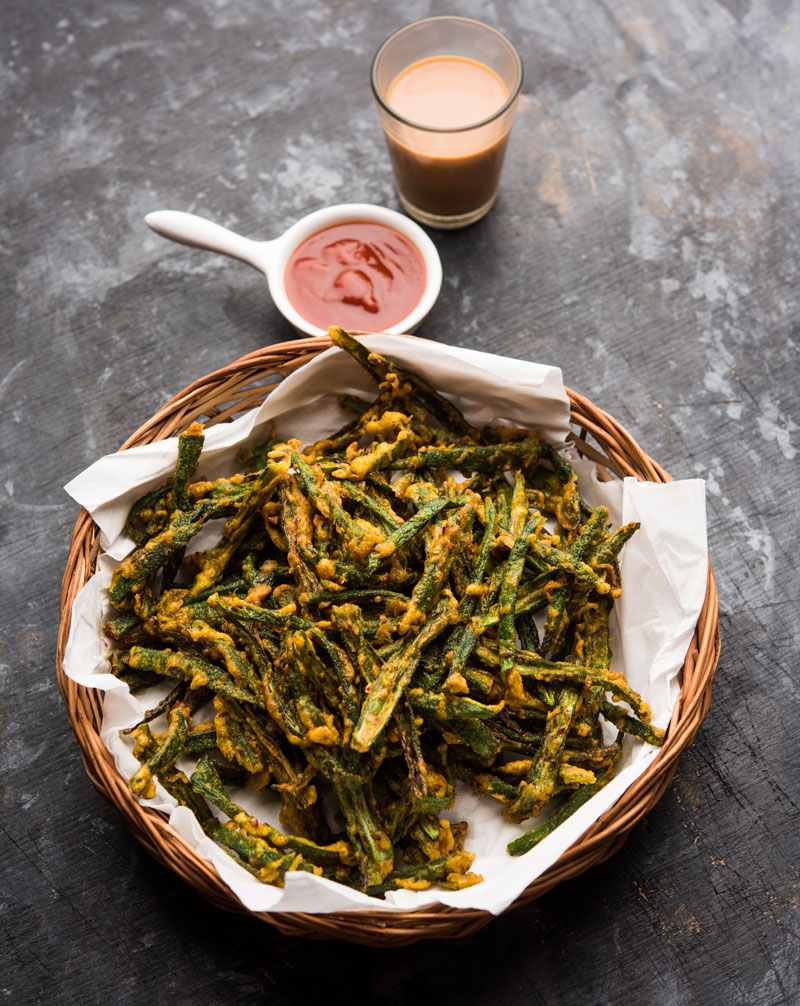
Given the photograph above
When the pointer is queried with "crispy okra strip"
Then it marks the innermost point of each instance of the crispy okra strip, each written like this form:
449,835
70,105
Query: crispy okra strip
394,675
348,619
404,811
372,846
406,531
255,742
606,556
354,404
518,506
132,575
515,738
532,595
166,754
462,642
448,707
506,630
201,739
222,647
440,553
527,631
199,672
298,526
491,784
370,842
256,458
557,611
276,701
172,779
475,458
241,608
234,585
387,518
568,501
324,683
206,781
237,740
325,497
353,430
378,367
217,558
271,865
345,677
406,726
630,725
428,838
531,838
593,758
502,499
446,868
145,503
318,724
190,444
540,783
534,666
133,678
476,734
176,696
118,628
557,559
222,490
381,454
364,595
590,647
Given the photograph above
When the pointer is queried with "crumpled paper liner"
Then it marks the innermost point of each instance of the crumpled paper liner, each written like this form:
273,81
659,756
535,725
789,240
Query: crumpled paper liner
664,572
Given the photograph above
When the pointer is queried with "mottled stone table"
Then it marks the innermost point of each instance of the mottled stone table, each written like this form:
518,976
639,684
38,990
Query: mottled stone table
646,241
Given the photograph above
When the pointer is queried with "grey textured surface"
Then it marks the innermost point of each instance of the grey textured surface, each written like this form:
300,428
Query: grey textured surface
645,240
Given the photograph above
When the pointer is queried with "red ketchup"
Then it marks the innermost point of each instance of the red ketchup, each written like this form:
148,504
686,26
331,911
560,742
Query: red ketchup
360,275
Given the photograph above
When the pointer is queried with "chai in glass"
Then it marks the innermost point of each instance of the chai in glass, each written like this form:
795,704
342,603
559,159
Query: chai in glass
447,116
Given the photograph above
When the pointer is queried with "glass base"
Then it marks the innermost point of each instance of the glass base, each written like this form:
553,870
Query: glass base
443,223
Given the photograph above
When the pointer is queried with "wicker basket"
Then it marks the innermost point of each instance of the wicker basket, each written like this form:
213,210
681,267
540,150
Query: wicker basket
243,385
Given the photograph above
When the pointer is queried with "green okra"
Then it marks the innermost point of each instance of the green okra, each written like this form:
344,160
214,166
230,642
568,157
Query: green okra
540,784
407,531
378,368
557,610
531,838
508,593
132,575
238,526
630,725
199,672
386,516
445,706
534,666
166,754
394,675
190,444
206,781
474,458
145,503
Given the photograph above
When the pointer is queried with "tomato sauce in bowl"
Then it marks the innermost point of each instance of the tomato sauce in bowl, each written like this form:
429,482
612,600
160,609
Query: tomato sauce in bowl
358,274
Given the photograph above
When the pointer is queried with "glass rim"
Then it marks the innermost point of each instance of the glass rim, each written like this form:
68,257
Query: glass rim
446,129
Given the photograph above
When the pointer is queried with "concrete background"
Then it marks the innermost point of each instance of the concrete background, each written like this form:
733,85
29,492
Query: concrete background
645,240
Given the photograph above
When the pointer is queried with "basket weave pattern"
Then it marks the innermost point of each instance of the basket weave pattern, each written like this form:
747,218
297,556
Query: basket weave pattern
243,385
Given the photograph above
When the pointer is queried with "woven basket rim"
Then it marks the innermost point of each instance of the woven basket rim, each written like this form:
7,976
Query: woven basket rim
618,453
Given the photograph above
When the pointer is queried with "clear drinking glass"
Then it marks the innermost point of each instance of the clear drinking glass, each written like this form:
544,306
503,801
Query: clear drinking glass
448,153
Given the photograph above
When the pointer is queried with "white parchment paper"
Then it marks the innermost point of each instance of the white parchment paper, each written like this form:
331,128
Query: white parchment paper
664,571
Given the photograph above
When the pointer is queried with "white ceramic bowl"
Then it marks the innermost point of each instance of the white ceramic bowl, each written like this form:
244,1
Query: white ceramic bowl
272,257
